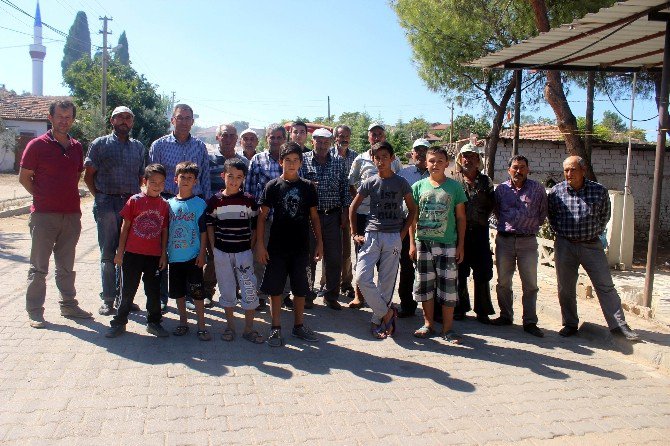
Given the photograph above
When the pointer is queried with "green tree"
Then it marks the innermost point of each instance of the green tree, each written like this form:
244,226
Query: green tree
416,128
400,139
613,121
78,42
125,87
468,124
122,54
446,34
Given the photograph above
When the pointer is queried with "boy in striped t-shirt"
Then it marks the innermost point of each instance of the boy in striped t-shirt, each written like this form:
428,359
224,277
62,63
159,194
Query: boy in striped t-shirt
231,229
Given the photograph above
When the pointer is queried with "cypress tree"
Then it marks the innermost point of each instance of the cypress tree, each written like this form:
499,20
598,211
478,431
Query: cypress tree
78,42
122,54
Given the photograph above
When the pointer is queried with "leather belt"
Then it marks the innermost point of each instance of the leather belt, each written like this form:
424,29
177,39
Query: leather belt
514,234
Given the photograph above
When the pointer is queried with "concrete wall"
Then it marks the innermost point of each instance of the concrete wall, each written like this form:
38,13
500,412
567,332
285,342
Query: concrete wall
609,165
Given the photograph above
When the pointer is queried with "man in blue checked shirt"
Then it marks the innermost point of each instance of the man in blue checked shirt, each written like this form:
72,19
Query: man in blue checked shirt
114,169
579,210
331,178
172,149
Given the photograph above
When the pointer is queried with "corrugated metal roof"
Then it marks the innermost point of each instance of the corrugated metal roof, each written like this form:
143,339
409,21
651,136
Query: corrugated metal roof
619,38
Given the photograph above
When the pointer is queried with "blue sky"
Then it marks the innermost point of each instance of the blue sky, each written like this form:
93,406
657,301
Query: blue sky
256,61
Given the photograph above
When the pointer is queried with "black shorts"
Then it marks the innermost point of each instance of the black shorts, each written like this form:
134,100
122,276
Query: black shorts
185,278
295,266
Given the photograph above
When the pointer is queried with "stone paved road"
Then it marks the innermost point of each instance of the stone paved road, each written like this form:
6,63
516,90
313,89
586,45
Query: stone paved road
70,385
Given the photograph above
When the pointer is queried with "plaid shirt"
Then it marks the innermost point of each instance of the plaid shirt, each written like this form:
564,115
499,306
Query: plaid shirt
331,180
169,152
349,157
119,165
523,210
262,168
579,215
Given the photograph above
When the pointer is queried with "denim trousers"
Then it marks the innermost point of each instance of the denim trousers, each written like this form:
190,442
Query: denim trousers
106,209
511,253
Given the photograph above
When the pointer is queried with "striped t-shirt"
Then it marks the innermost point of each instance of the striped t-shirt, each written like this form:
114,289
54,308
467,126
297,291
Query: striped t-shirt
233,218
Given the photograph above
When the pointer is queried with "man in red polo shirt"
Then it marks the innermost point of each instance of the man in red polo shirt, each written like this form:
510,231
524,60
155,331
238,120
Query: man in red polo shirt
51,167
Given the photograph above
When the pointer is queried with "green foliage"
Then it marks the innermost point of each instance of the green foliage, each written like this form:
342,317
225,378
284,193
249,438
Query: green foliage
122,54
125,87
469,124
612,128
78,42
613,121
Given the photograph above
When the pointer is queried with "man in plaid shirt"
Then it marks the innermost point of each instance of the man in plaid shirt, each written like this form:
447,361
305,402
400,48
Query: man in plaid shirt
331,178
579,210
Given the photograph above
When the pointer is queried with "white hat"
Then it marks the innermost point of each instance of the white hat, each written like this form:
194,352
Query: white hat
468,148
323,133
421,142
376,124
122,109
244,132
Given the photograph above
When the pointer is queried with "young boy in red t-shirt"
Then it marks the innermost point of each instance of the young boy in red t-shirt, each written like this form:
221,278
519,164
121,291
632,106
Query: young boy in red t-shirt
142,251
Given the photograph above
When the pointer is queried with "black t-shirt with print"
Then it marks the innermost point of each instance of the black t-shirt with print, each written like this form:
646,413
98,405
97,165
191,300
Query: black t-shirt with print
291,201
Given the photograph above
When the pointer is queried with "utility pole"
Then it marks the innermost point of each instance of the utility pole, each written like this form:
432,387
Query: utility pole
103,95
517,112
328,108
451,126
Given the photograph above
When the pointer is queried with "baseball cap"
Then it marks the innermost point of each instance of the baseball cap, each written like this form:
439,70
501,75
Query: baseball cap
376,124
324,133
421,142
122,109
244,132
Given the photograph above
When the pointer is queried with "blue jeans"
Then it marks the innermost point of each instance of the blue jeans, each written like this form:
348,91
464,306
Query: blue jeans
106,210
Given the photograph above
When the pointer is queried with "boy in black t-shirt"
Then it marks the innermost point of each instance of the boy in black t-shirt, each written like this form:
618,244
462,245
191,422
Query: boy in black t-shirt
293,201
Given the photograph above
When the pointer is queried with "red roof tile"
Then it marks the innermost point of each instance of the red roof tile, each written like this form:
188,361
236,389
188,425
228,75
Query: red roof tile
537,132
25,108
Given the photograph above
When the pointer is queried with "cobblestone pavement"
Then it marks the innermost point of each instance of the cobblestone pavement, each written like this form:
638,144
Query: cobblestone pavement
68,384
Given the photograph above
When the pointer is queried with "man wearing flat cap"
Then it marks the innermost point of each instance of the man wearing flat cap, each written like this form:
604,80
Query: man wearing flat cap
479,189
329,174
114,168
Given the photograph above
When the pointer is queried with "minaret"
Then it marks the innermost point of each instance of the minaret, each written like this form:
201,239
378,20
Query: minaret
37,53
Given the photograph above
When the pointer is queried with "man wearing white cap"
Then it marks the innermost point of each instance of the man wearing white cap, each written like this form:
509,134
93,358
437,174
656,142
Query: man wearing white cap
329,174
412,174
361,169
114,168
248,142
481,199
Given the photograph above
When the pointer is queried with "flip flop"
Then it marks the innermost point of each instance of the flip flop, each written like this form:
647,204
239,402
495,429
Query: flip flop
228,335
390,325
357,305
379,331
424,332
253,337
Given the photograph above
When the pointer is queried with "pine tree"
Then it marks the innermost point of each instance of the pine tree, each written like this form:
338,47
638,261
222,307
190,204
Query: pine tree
78,42
122,54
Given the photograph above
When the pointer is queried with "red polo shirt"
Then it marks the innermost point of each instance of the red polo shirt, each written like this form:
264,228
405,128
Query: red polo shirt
56,174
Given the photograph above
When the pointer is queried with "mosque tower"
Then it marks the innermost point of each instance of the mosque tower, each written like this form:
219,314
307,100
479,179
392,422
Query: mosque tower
37,53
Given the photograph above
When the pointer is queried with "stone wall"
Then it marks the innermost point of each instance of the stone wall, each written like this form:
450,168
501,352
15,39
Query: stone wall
609,164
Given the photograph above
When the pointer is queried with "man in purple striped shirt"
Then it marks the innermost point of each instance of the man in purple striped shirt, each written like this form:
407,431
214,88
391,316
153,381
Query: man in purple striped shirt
521,208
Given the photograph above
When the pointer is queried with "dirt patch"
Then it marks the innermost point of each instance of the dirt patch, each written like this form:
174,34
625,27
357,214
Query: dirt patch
662,256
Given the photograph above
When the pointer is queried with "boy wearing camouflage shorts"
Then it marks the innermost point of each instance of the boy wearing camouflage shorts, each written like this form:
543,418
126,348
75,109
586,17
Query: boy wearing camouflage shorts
436,242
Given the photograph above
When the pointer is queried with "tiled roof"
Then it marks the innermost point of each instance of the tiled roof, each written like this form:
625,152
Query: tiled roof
536,132
435,127
25,108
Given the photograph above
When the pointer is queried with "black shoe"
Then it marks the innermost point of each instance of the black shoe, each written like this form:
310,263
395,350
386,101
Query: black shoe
164,308
459,316
501,321
262,305
309,304
402,314
287,303
568,331
626,332
208,302
190,305
157,330
107,308
483,319
349,293
134,308
115,330
534,330
332,304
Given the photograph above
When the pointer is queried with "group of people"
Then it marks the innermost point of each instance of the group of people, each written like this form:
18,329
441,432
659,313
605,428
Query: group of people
184,221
